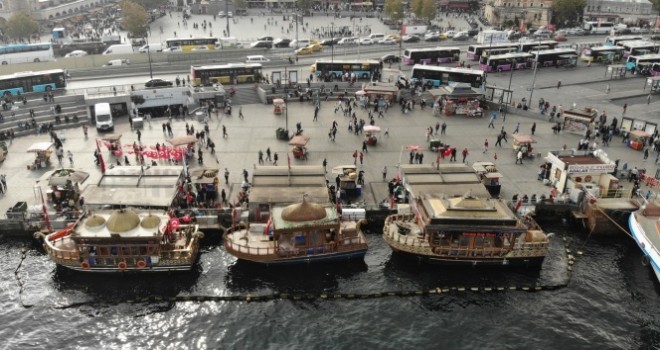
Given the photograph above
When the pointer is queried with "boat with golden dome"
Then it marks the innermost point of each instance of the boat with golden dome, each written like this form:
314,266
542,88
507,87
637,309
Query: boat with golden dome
125,240
299,233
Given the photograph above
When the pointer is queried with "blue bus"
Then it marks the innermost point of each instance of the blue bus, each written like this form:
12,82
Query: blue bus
26,82
439,75
363,69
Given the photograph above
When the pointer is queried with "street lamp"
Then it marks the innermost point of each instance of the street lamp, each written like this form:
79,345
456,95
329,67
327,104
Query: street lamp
332,42
396,14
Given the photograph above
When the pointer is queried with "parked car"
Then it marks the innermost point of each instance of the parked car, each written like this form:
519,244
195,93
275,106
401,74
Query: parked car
461,36
432,36
390,58
410,38
265,38
299,43
157,83
221,14
473,32
388,41
394,37
281,42
307,50
366,41
76,53
262,44
348,41
316,47
329,42
448,34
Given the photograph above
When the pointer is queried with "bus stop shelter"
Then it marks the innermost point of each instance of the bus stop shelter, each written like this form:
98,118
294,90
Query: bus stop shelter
616,71
653,83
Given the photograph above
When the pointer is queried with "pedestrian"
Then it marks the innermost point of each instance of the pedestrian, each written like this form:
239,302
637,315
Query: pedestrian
519,156
385,173
443,129
261,157
226,176
224,132
533,128
421,157
558,84
517,129
240,112
495,156
361,157
245,175
625,107
646,153
437,127
130,121
84,127
412,156
355,157
364,147
486,146
268,155
275,158
223,196
493,116
139,135
465,154
648,99
70,156
499,140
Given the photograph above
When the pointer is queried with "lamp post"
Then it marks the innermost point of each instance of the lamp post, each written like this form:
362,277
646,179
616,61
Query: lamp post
227,14
396,14
332,47
295,14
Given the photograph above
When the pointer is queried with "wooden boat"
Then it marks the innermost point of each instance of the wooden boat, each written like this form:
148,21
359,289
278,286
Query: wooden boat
125,241
466,231
299,233
644,229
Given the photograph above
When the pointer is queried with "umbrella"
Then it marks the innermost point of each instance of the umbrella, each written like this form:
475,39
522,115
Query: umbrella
40,147
339,170
182,140
111,137
299,140
523,138
60,177
413,148
278,101
360,93
371,128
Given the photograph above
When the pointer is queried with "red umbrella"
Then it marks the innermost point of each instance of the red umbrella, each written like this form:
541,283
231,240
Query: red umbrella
413,148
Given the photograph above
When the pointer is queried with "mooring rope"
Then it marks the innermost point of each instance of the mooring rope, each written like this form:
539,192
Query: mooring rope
21,285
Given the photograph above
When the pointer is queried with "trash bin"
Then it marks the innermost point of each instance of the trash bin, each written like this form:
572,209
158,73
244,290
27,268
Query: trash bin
138,123
200,116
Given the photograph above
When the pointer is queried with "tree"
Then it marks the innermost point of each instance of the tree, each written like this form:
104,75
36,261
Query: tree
151,4
567,11
305,5
418,8
240,4
394,9
429,9
135,18
656,4
20,26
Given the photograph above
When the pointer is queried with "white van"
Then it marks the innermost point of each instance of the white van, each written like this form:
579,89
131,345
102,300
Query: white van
103,117
118,49
299,42
376,37
153,47
348,41
118,62
256,59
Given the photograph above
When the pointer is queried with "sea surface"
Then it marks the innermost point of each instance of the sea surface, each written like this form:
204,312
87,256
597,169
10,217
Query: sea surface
611,302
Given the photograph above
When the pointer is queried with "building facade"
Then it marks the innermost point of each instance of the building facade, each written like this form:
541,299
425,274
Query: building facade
48,10
634,12
535,13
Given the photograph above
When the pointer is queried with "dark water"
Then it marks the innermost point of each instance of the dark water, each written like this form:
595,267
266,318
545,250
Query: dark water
611,302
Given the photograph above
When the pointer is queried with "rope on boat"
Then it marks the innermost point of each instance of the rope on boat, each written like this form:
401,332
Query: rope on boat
21,285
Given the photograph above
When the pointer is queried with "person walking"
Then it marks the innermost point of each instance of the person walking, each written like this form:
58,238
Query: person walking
275,158
646,153
465,154
558,84
355,157
385,173
648,99
364,147
519,157
493,116
361,158
70,156
533,128
607,88
245,175
226,176
240,112
261,157
499,140
224,132
625,107
517,129
325,164
486,146
443,128
84,127
268,155
139,135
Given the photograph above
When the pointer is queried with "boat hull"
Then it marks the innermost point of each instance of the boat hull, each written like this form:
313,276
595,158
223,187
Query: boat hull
131,270
307,259
640,236
446,261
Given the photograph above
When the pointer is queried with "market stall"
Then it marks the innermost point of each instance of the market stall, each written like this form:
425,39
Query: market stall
458,99
523,143
578,121
638,139
113,142
188,141
279,106
378,91
489,176
299,143
42,150
370,132
206,183
349,180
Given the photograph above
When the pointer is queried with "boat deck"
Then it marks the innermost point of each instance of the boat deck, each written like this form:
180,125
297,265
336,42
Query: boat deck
650,226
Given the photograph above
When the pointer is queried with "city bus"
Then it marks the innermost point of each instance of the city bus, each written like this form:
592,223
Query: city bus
439,75
474,52
633,61
26,82
639,47
528,46
188,44
599,27
363,69
23,53
431,55
616,39
602,54
231,73
499,63
555,57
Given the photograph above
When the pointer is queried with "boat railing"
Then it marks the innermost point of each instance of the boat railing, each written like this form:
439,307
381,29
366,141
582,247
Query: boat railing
59,253
238,248
466,251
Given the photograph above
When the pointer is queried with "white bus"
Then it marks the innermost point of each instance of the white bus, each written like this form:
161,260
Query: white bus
634,61
23,53
555,57
431,55
639,47
505,62
474,52
602,54
616,39
599,27
438,75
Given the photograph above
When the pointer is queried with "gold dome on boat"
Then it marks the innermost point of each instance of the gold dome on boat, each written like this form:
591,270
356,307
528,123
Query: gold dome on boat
150,221
123,220
304,211
94,221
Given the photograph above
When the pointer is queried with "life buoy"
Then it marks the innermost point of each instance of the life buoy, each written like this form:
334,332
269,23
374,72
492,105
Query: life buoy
85,265
141,264
122,265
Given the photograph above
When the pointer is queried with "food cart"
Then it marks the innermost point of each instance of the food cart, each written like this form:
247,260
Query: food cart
299,143
458,99
43,150
113,142
489,176
188,141
524,143
348,180
279,106
638,139
370,132
206,181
